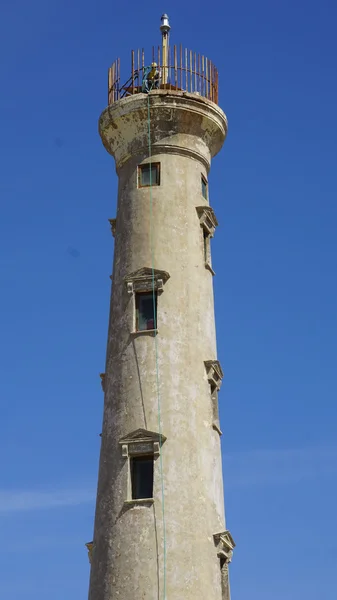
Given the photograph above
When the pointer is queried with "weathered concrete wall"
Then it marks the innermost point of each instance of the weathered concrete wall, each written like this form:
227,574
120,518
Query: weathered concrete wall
127,558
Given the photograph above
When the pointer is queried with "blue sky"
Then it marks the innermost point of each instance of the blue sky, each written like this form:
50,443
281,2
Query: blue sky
275,254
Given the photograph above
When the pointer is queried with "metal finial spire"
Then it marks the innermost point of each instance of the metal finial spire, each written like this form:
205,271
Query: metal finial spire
165,29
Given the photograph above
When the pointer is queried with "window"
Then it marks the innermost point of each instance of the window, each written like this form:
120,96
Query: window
140,448
225,545
144,287
204,186
141,477
207,251
215,408
214,376
207,247
208,222
149,174
225,595
146,311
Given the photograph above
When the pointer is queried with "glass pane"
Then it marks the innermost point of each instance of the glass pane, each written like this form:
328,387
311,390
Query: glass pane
145,172
204,188
142,477
145,312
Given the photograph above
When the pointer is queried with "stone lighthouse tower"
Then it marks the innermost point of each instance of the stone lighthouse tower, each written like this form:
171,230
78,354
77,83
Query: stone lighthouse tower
160,530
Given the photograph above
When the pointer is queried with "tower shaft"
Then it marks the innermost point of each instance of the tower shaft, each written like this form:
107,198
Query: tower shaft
160,526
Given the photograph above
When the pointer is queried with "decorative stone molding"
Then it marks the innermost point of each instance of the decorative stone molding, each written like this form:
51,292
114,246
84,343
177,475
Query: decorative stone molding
113,226
214,373
90,547
207,218
186,121
145,279
208,264
102,376
225,545
142,441
138,502
182,151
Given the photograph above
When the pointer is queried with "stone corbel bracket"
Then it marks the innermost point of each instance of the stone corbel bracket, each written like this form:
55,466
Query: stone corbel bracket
145,280
102,376
90,548
225,545
113,226
214,373
207,218
142,441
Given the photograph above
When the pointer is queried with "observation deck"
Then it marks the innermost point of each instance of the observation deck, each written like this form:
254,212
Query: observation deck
183,87
179,70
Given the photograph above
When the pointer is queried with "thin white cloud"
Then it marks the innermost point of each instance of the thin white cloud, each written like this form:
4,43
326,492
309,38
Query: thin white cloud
280,467
39,542
241,469
19,501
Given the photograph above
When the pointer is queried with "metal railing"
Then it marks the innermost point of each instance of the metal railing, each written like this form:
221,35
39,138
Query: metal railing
184,71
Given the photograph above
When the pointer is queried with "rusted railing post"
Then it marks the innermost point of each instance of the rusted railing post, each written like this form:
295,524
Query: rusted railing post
183,70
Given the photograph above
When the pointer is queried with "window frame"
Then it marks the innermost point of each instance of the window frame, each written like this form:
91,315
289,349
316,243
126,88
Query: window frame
134,459
208,223
140,442
138,295
224,578
214,377
204,185
207,247
144,280
225,545
215,408
206,237
141,168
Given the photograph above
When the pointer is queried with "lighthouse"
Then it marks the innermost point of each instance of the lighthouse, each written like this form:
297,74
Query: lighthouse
160,530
